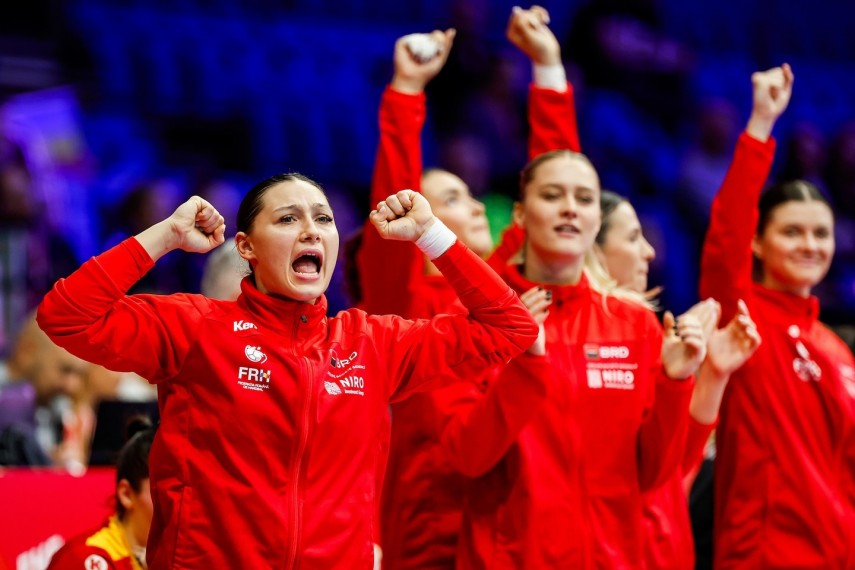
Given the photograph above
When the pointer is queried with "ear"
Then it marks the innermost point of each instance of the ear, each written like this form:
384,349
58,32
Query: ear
243,243
518,214
125,493
757,247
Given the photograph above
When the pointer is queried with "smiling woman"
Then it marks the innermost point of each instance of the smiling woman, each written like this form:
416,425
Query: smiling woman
256,395
787,421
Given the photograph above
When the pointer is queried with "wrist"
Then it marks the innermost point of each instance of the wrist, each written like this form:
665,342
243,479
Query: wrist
159,239
435,239
550,76
760,127
407,85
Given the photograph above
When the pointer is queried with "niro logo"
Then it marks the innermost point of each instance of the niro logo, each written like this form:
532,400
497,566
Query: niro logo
615,379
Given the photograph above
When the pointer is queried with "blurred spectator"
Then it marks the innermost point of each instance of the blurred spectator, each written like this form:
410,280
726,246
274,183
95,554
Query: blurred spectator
622,45
841,171
224,270
121,542
32,254
806,156
42,379
146,204
706,161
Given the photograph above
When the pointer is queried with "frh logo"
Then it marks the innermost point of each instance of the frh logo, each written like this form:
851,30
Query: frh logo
243,326
253,374
254,354
255,379
596,352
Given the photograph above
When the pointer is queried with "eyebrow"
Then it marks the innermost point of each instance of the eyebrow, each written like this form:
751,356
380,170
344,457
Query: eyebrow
314,206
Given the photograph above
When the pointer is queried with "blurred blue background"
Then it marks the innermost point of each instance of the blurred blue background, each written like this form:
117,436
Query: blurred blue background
114,111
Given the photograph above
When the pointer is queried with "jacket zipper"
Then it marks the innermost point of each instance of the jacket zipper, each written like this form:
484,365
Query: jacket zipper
298,464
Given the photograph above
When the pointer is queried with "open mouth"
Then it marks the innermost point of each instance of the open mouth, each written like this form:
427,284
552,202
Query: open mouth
567,229
309,263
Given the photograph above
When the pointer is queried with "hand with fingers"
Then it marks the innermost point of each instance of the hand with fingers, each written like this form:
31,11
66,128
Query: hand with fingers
772,91
403,216
529,31
195,226
419,58
684,344
198,226
537,300
730,347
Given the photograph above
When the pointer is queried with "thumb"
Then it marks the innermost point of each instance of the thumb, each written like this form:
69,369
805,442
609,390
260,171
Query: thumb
668,322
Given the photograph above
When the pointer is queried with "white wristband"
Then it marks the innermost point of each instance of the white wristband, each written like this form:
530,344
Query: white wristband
436,240
550,77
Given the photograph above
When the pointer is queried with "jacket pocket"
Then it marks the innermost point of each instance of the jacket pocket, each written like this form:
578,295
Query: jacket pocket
183,540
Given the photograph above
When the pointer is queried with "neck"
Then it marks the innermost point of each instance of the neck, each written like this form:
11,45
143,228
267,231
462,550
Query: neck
552,272
770,282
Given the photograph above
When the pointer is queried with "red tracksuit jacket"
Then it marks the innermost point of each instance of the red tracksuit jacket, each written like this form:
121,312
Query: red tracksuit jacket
267,451
421,506
669,543
785,464
565,490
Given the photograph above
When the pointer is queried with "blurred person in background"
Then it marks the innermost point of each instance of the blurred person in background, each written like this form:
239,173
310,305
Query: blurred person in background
625,254
42,379
422,500
120,544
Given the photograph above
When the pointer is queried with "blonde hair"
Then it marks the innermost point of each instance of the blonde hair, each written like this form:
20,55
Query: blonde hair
599,280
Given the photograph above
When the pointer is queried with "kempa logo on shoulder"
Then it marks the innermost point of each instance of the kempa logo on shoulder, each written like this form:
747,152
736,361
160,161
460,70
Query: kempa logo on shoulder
255,379
244,326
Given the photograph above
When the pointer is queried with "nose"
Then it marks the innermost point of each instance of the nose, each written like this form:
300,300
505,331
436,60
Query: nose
648,251
478,208
310,232
810,242
568,205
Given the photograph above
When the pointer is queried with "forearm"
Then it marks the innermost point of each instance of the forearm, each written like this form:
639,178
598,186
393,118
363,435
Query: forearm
707,394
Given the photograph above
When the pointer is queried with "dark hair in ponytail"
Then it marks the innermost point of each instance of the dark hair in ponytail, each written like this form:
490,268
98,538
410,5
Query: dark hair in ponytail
132,464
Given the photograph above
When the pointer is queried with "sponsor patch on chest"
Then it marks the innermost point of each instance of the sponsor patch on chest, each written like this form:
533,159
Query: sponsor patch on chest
346,374
609,366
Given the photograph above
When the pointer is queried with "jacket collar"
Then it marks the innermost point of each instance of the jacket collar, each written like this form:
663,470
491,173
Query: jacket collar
284,316
792,309
560,293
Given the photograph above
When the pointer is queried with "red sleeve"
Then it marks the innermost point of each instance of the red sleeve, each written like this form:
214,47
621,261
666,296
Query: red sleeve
426,354
512,241
552,120
89,315
486,424
663,432
727,261
387,268
696,441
